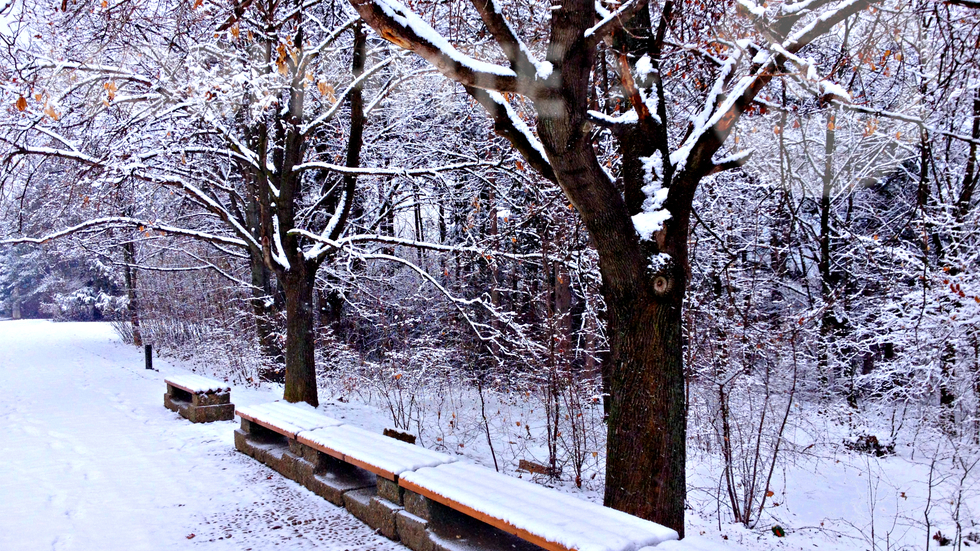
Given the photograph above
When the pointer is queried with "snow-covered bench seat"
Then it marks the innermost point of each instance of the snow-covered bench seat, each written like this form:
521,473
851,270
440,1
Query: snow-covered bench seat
269,434
199,399
379,454
285,418
547,518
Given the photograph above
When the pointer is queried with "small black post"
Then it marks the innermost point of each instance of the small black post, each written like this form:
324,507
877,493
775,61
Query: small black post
148,352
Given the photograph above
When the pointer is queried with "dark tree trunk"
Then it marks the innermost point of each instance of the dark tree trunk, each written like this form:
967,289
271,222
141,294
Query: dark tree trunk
132,308
263,307
828,320
643,374
300,341
947,399
647,424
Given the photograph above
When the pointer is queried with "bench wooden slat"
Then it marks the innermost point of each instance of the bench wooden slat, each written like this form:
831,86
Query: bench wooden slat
285,418
545,517
379,454
483,517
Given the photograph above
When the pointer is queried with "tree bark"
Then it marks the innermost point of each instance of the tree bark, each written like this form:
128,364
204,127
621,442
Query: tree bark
132,308
300,341
647,422
264,309
644,370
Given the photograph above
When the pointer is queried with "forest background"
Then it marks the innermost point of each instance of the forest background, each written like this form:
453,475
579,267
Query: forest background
760,220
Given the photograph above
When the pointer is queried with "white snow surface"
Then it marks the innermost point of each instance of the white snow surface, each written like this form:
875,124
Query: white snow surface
393,456
286,418
552,515
197,384
92,459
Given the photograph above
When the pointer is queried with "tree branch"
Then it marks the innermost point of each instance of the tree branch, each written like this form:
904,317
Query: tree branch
124,221
402,27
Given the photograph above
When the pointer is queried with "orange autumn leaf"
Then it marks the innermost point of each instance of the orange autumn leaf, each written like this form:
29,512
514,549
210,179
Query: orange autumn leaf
21,103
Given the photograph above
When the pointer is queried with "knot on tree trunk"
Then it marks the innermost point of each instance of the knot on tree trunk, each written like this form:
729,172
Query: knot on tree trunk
661,274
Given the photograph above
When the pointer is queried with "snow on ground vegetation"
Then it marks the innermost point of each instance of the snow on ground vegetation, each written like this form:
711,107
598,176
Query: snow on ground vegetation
93,460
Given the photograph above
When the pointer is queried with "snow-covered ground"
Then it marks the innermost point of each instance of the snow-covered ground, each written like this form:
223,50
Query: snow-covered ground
90,459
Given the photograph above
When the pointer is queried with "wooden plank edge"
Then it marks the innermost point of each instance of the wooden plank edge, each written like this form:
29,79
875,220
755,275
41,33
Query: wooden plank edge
319,447
372,468
266,424
483,517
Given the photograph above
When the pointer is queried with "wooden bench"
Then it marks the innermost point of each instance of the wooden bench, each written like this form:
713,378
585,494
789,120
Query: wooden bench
199,399
269,434
285,418
547,518
382,455
427,499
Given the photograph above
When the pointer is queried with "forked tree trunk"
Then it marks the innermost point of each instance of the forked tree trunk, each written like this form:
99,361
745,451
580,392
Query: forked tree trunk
643,374
300,366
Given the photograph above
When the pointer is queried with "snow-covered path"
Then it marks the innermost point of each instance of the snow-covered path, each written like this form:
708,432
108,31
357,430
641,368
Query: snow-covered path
90,459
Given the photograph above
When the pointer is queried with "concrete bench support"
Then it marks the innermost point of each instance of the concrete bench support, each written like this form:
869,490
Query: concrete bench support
268,434
198,399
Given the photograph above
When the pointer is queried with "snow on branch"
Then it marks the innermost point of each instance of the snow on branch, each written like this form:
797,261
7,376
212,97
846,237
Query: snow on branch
711,126
614,20
372,171
329,113
732,161
508,124
423,245
98,224
894,115
522,61
139,171
402,27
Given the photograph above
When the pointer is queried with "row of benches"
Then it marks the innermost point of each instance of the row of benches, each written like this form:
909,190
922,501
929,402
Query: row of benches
428,500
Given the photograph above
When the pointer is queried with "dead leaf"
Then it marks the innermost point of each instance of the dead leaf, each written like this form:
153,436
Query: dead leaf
21,103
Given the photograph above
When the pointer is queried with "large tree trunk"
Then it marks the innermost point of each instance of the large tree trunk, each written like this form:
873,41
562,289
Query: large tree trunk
300,342
645,462
646,451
